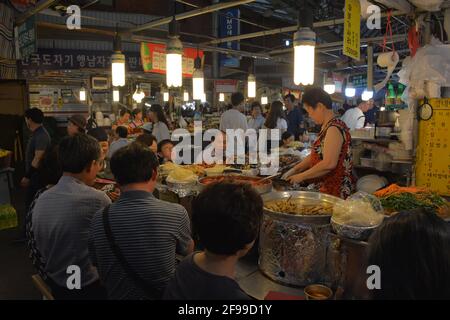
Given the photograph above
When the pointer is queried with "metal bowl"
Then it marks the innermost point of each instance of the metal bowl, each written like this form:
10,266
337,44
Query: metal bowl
261,189
308,198
352,232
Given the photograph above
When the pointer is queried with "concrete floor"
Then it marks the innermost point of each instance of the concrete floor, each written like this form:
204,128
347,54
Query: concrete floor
15,266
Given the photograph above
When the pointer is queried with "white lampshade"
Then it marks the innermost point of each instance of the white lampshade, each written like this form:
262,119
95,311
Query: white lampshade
304,50
118,69
350,91
138,95
203,99
264,99
186,96
251,86
329,85
198,83
82,94
166,96
174,59
367,95
116,95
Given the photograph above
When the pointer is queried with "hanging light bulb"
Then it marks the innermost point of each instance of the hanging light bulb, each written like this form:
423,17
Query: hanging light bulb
138,95
221,97
329,85
350,90
82,94
367,95
174,57
251,86
198,82
304,47
116,95
186,96
166,96
264,99
118,64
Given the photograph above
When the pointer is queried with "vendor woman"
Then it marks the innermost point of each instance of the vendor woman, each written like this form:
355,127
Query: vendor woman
329,166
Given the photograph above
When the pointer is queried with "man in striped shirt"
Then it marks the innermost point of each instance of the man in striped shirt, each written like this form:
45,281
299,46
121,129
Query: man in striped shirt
133,243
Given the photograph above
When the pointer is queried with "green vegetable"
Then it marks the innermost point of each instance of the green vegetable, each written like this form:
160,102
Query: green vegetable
408,201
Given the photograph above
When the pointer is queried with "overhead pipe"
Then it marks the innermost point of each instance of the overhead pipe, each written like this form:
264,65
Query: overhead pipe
189,14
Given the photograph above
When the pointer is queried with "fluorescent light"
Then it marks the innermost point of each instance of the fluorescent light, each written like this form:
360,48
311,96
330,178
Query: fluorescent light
186,96
203,99
116,95
174,58
367,95
264,99
221,97
304,50
350,91
329,85
82,94
166,96
198,89
118,69
251,86
287,43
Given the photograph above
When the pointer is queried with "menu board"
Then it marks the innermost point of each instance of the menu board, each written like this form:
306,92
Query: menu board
433,152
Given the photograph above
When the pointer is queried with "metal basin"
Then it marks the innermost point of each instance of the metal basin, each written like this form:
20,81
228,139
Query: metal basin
260,188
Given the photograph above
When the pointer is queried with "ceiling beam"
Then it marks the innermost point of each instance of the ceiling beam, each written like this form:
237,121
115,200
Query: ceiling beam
41,5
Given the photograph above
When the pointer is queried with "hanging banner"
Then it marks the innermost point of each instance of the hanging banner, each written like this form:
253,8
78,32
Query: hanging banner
229,26
153,58
226,85
352,28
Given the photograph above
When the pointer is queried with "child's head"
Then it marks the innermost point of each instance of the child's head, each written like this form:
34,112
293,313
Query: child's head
287,138
121,132
226,218
165,149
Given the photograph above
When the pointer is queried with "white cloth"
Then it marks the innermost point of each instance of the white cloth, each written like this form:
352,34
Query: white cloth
160,131
354,118
233,119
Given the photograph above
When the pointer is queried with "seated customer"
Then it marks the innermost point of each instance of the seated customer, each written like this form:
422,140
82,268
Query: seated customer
121,134
61,216
149,141
165,148
412,250
226,219
145,232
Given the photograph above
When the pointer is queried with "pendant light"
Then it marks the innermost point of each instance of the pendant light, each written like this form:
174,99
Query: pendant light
367,95
174,57
350,90
82,93
221,97
165,95
264,99
304,47
198,79
138,95
116,95
329,85
185,96
118,64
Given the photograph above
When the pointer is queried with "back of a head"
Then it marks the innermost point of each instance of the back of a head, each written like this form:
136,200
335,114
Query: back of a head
99,134
412,250
256,104
314,95
122,132
35,115
133,164
237,98
145,140
290,97
226,217
78,152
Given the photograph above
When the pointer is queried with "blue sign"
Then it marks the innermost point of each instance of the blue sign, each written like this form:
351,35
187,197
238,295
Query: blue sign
229,25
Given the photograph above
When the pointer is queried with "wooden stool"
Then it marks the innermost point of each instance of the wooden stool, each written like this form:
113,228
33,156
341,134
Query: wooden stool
42,287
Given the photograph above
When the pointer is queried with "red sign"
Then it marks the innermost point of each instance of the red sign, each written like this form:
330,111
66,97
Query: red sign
153,58
226,85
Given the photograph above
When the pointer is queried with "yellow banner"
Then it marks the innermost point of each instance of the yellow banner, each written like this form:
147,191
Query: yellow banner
352,20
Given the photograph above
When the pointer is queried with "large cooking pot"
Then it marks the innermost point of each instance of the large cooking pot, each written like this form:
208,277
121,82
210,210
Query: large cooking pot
293,248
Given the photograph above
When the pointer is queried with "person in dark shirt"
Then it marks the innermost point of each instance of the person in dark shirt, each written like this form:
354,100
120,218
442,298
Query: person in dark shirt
293,116
226,219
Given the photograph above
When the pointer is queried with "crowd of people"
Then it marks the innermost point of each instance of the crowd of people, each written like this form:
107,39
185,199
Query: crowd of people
129,248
